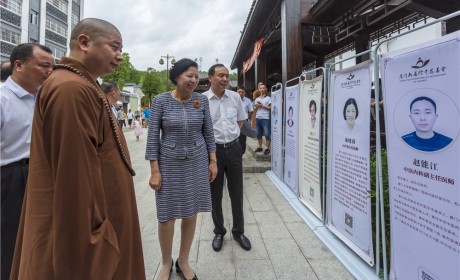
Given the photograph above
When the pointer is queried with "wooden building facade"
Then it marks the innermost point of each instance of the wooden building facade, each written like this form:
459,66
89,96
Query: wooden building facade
303,34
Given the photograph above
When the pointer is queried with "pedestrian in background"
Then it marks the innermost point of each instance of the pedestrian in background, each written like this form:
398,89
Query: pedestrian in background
263,106
147,116
181,150
137,127
121,116
130,117
32,64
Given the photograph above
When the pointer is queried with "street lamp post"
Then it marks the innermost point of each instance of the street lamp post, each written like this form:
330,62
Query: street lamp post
173,61
199,59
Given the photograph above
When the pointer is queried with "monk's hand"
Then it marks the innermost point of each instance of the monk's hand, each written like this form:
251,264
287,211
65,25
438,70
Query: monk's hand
155,181
212,171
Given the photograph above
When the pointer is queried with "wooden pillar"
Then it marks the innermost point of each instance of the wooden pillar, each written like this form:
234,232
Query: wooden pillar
240,76
453,24
291,39
261,67
319,60
361,45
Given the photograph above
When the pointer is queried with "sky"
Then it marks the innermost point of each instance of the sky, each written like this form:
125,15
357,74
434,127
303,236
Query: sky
180,28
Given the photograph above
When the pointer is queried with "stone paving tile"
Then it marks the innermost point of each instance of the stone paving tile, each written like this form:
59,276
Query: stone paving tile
269,217
283,246
216,270
274,231
255,270
259,202
330,269
288,261
258,251
289,216
300,230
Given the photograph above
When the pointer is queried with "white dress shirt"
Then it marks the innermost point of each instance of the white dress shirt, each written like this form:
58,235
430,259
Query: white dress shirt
16,115
225,113
263,113
247,104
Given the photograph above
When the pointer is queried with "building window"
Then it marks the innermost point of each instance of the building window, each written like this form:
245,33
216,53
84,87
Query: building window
56,27
59,4
57,53
10,36
77,1
75,19
13,5
34,17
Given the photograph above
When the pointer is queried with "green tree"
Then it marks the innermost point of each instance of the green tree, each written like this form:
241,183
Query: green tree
135,76
122,74
152,85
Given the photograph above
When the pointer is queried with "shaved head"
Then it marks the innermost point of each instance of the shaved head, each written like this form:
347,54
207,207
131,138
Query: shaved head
92,27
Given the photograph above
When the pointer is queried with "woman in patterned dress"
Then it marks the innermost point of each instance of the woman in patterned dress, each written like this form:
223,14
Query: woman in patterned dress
183,162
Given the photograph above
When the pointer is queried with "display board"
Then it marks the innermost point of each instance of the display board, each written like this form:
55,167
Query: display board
310,144
291,139
349,169
421,87
277,132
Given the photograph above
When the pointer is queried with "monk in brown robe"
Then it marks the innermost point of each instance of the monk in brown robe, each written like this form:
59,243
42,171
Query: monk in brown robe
79,218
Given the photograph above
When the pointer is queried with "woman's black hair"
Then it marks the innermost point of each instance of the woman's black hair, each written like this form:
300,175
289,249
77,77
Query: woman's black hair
180,67
350,101
420,98
312,102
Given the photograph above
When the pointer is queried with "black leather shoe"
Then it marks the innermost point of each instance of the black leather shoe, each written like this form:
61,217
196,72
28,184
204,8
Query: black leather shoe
217,242
178,270
243,241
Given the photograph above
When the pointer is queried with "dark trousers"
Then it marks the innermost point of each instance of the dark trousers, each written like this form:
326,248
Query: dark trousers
230,162
13,179
242,140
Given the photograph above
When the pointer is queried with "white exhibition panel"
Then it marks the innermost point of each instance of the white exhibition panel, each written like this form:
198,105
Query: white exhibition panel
421,87
291,139
310,144
277,132
349,212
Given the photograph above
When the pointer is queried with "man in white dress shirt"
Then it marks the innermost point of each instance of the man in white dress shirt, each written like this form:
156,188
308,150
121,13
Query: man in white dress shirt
31,65
227,114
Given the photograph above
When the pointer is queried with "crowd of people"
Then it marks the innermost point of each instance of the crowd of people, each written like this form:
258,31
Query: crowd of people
68,201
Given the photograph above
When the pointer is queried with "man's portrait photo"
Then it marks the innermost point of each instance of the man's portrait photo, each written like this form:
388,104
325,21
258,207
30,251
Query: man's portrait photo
423,114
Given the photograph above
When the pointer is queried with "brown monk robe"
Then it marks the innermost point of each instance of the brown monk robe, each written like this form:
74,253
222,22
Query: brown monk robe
79,217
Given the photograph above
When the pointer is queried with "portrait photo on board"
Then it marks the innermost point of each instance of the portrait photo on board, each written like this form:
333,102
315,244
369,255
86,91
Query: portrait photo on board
422,118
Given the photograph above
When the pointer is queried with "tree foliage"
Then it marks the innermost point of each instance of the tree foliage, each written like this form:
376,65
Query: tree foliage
152,84
152,81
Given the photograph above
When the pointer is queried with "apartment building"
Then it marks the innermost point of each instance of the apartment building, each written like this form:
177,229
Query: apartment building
48,22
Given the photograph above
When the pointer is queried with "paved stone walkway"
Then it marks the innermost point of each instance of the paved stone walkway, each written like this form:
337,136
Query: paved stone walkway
284,247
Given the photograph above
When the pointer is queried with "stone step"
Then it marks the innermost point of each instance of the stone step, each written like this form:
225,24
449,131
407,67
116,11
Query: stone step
260,155
255,162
